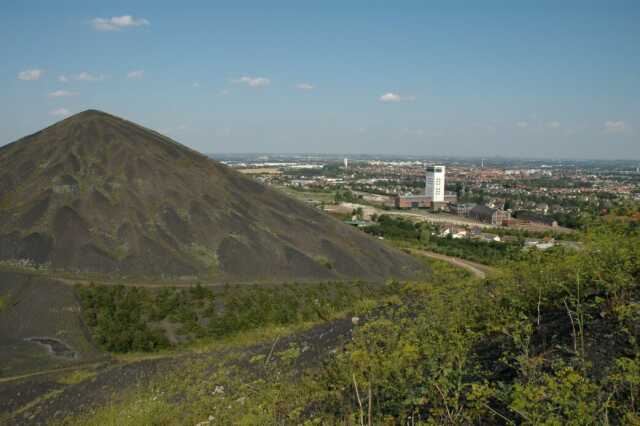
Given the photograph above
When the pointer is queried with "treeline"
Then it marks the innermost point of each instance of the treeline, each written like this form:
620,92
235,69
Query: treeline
528,233
395,228
124,319
346,195
118,316
488,253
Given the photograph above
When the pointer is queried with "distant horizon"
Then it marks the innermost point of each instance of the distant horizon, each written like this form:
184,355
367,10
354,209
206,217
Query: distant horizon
359,154
422,156
515,79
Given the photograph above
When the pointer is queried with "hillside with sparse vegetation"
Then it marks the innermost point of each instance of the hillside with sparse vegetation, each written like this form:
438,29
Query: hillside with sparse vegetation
95,194
550,339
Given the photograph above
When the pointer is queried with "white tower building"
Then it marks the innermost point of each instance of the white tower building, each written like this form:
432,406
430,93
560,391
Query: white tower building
346,163
434,185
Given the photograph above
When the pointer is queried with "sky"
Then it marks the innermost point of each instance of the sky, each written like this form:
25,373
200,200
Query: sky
547,79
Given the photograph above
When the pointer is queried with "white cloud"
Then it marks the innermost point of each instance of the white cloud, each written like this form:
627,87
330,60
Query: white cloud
522,124
30,75
135,74
390,97
394,97
58,112
305,86
63,79
615,127
117,23
253,81
553,125
61,93
85,76
196,84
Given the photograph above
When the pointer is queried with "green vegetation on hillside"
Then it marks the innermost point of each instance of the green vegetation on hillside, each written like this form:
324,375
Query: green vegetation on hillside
306,194
124,319
550,340
118,318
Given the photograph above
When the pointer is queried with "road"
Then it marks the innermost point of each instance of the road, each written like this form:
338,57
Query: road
477,269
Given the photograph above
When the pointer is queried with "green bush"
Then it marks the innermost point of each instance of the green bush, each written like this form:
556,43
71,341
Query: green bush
120,317
551,339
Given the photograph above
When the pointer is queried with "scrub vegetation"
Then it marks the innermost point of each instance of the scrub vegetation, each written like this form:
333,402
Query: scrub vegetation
125,319
552,339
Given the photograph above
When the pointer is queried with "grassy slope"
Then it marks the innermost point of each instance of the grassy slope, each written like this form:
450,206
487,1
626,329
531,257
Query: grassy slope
263,383
549,340
134,376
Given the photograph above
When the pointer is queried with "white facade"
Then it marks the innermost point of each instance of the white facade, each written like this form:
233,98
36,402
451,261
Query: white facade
434,186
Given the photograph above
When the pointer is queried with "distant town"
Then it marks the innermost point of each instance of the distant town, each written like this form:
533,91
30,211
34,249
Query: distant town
462,198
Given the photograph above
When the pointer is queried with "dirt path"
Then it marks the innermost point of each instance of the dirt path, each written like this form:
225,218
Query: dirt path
477,269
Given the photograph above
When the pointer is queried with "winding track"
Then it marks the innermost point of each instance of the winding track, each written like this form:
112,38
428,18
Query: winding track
477,269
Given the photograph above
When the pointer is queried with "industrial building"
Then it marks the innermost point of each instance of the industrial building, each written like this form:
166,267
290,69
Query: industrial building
413,202
434,183
434,192
461,209
486,214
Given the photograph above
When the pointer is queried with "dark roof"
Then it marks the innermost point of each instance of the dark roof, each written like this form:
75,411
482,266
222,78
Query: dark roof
533,217
483,211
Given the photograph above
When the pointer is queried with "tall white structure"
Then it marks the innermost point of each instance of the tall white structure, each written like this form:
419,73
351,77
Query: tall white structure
346,163
434,186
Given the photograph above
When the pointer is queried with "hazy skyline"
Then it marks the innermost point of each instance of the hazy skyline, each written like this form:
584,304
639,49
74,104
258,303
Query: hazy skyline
424,78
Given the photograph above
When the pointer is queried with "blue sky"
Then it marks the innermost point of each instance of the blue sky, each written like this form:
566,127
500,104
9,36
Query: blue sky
510,78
